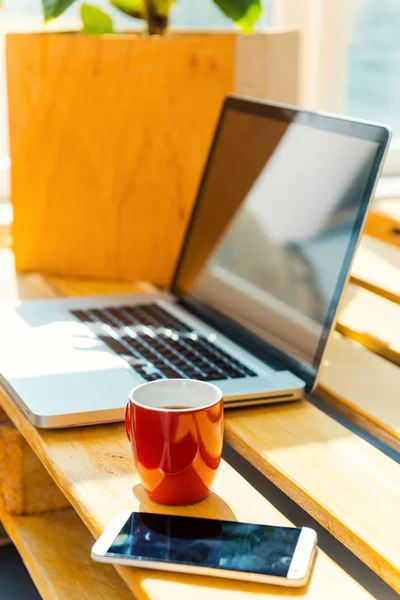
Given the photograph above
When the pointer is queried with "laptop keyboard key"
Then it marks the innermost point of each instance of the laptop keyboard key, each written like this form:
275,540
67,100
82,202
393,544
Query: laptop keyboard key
171,373
83,316
157,344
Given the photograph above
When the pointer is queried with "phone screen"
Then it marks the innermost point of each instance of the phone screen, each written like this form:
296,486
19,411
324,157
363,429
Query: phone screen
207,543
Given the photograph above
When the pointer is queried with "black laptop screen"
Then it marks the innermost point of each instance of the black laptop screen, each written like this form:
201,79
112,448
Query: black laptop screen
276,222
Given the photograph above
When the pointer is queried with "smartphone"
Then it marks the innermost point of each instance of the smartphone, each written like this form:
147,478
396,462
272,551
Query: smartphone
246,551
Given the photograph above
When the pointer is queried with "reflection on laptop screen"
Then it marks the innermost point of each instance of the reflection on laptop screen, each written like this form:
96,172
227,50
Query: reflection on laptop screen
278,210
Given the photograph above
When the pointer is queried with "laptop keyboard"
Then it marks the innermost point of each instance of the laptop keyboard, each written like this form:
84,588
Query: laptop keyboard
157,345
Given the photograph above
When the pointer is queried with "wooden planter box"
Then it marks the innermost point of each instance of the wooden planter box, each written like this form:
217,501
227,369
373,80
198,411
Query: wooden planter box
108,136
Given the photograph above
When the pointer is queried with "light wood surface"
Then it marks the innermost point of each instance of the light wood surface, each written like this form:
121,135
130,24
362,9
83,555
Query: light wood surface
384,220
377,268
114,131
371,320
94,468
345,483
103,480
55,548
363,387
97,477
26,487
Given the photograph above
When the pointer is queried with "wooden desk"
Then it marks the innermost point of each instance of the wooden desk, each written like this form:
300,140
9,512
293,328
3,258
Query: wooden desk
344,482
93,468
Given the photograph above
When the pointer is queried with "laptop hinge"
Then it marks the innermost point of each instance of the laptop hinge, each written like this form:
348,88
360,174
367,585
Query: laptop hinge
261,349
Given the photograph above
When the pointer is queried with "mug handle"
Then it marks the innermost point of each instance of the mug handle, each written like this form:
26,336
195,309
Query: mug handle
128,420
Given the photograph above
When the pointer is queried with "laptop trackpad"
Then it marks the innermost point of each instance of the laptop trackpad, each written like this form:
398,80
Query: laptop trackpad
74,393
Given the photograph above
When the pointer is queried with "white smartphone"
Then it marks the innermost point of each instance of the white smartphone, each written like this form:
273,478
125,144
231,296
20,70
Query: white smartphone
246,551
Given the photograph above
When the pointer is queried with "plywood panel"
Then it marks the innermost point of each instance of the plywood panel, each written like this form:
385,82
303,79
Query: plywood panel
113,131
109,135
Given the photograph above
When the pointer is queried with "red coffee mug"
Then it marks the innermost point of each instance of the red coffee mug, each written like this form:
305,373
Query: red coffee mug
175,427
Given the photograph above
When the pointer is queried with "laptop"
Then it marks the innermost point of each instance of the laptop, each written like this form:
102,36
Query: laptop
279,211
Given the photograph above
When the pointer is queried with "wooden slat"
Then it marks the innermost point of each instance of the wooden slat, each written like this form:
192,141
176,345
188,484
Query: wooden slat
93,467
371,320
346,484
377,268
55,548
363,387
26,487
384,220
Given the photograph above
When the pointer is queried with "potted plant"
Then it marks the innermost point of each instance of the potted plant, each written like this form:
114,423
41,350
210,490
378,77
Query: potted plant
109,132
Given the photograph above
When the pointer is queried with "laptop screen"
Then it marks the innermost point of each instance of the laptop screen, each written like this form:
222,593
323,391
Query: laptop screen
277,218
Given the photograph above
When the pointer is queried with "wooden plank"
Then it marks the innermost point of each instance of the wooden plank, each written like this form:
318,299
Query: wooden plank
55,548
371,320
93,467
377,268
26,487
363,387
342,481
384,220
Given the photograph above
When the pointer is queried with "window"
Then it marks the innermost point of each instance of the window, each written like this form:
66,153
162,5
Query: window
351,59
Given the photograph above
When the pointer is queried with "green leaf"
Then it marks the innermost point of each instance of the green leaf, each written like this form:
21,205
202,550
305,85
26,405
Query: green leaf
133,8
162,7
54,8
245,13
95,21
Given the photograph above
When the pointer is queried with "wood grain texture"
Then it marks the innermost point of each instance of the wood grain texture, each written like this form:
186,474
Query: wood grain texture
363,387
55,548
93,467
377,268
26,487
125,139
114,131
371,320
330,472
384,220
